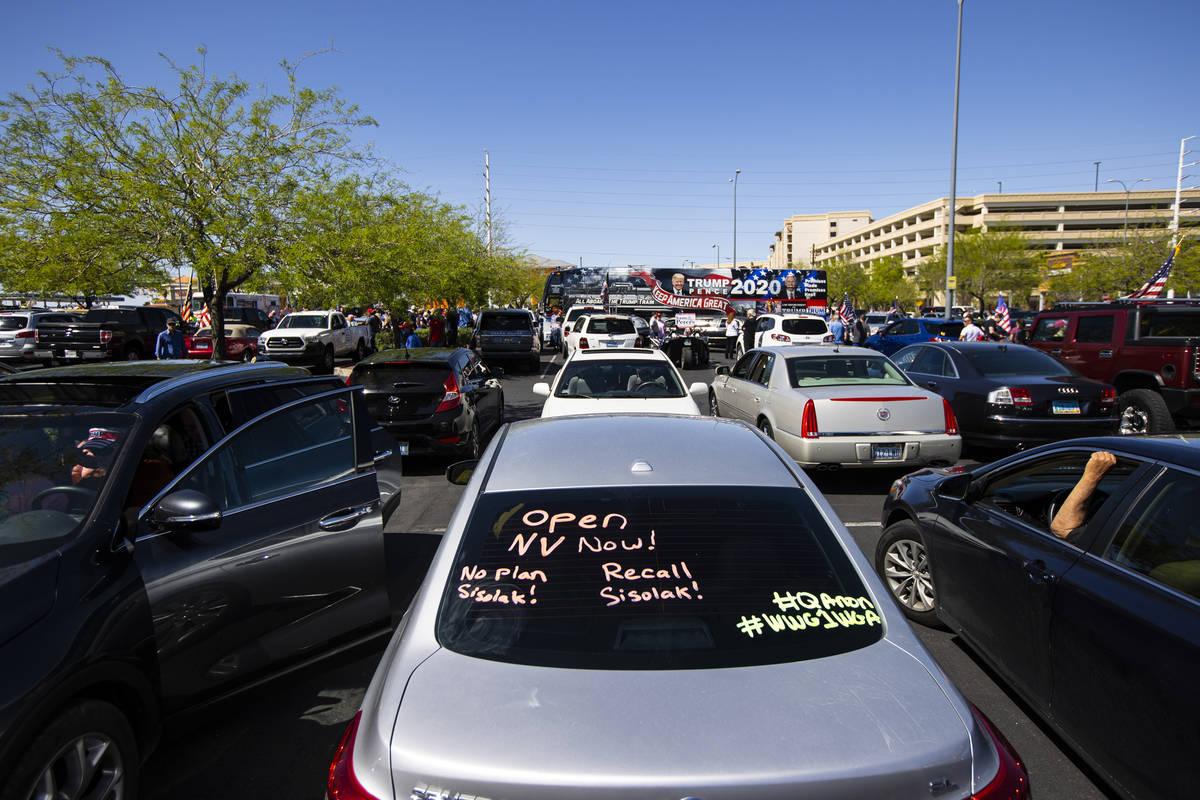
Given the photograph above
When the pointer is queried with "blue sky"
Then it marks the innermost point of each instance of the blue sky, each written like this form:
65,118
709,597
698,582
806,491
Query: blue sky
614,127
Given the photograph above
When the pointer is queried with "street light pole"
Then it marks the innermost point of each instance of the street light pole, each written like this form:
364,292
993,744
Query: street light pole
1125,227
953,169
736,172
718,246
1097,186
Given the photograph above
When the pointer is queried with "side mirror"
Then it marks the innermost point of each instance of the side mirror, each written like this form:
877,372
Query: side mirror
187,510
460,472
723,369
541,389
698,389
956,487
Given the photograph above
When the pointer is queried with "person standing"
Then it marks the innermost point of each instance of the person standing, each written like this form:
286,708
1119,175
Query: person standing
452,328
859,330
837,328
748,330
733,328
970,332
170,342
437,330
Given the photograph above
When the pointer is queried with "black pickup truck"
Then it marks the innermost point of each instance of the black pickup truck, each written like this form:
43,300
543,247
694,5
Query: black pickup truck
123,333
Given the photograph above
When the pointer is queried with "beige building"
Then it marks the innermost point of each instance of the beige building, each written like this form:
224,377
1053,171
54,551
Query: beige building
796,241
1060,221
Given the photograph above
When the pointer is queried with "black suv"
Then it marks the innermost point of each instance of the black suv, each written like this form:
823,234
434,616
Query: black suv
433,400
171,532
508,334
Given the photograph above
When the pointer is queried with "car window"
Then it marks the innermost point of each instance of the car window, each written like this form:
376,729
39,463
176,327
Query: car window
290,450
761,371
249,402
1094,329
602,325
1033,491
742,368
905,327
1169,322
806,326
1013,361
931,361
13,323
947,330
653,577
506,323
303,321
175,444
618,378
1049,329
1160,537
905,357
765,324
840,370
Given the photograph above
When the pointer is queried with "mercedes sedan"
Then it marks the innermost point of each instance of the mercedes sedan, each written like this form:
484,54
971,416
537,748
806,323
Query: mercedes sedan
655,622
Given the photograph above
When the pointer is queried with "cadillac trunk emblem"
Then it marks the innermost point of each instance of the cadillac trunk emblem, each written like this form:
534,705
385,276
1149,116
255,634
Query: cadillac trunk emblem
883,414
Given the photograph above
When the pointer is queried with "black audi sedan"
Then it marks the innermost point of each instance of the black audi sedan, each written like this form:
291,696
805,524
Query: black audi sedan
1009,395
1097,629
433,400
170,533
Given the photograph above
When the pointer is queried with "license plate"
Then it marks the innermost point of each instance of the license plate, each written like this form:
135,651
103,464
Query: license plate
613,344
887,452
1066,407
70,354
402,448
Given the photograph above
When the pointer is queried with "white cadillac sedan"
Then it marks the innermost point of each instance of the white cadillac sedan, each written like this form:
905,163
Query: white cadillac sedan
620,380
831,407
679,614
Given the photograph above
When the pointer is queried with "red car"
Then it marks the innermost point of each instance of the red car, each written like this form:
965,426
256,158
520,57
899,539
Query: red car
241,343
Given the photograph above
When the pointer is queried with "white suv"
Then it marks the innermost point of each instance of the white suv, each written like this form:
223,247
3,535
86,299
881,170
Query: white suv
784,329
601,331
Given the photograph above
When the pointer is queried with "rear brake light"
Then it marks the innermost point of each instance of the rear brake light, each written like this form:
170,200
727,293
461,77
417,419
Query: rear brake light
23,335
451,399
105,336
583,345
36,337
827,338
780,337
342,784
1108,396
1006,396
951,420
808,421
451,440
1011,781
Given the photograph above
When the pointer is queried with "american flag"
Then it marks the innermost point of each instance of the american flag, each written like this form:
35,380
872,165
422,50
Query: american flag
895,307
204,319
1158,281
846,311
604,293
1002,318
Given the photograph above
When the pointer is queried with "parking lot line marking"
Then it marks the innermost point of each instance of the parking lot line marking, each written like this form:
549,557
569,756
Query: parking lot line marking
861,524
428,530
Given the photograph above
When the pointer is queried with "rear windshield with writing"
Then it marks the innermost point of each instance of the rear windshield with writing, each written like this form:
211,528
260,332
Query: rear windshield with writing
663,577
515,323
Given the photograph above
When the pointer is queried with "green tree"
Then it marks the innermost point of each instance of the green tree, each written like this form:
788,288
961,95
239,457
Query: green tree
103,183
1125,264
887,283
987,263
845,278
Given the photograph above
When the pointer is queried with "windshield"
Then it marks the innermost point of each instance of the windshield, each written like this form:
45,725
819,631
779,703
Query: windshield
806,326
588,377
304,321
840,370
653,577
52,469
13,323
996,363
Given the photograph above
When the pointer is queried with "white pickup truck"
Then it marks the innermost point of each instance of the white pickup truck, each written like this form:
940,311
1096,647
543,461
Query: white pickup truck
315,338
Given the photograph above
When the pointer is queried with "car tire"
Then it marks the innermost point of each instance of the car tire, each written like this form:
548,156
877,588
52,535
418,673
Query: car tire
764,425
133,354
1143,411
714,410
248,355
92,742
327,361
473,449
360,351
903,563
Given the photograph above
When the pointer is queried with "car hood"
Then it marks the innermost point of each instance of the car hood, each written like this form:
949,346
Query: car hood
293,332
27,593
870,723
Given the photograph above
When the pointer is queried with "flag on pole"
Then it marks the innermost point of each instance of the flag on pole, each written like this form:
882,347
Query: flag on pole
1158,281
895,308
1002,317
604,292
204,319
846,310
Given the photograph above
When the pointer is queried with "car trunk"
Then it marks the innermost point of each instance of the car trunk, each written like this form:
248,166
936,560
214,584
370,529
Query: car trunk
880,409
398,390
1058,396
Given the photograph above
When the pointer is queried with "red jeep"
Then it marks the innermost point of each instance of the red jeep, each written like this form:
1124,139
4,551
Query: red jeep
1148,349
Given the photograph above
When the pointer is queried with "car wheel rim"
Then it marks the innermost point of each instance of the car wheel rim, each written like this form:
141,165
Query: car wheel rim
89,767
1134,420
712,405
765,427
906,570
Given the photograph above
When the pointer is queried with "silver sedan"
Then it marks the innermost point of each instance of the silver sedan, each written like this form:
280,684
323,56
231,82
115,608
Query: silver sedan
832,406
679,614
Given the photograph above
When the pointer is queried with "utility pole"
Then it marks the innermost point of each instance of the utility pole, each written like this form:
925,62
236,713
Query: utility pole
487,198
953,169
1096,188
736,172
1178,189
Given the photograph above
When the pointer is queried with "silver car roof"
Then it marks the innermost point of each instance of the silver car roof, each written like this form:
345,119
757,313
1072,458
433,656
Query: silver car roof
678,450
